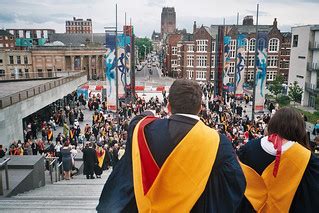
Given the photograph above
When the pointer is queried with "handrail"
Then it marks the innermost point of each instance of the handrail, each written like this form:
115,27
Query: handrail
5,165
33,91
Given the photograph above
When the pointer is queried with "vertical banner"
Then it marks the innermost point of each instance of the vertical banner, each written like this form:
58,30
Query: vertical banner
110,65
227,40
123,45
261,74
241,64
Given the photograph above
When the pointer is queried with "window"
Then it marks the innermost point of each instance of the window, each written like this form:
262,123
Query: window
246,44
251,61
174,63
295,41
302,57
273,45
213,61
273,61
232,68
190,48
201,45
18,59
11,59
200,75
6,38
0,37
250,75
202,61
2,73
271,75
174,50
232,48
213,47
261,44
190,60
212,74
252,45
1,61
26,59
190,74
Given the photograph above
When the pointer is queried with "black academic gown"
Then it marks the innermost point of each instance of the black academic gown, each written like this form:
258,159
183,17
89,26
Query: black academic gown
225,186
89,161
306,198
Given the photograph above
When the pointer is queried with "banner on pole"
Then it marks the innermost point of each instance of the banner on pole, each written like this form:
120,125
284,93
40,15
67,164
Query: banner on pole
227,40
110,69
241,64
261,74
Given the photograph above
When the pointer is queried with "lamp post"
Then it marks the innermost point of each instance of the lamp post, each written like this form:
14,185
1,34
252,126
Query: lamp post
144,51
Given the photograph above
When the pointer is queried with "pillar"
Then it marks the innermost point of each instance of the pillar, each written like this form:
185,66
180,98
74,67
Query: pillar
72,63
90,68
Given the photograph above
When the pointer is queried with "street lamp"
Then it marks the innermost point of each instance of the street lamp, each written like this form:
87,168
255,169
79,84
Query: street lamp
144,51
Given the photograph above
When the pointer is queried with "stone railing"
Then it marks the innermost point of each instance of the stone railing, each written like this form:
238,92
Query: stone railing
36,90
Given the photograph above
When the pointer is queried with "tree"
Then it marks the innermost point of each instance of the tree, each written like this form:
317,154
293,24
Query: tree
276,86
140,43
295,92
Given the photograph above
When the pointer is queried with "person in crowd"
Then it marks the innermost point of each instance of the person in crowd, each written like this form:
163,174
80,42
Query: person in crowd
52,123
2,151
281,173
178,159
41,147
89,160
74,152
66,129
34,147
66,160
49,134
57,149
100,154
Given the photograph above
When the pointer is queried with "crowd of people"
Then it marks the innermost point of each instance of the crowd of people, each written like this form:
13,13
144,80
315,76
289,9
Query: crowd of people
103,139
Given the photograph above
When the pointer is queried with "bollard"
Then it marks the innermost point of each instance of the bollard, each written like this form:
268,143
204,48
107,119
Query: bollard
1,184
56,170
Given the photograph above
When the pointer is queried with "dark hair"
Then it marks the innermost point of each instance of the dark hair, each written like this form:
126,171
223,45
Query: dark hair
185,96
289,124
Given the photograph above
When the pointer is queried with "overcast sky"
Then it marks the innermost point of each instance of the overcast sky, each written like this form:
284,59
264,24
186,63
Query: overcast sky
146,14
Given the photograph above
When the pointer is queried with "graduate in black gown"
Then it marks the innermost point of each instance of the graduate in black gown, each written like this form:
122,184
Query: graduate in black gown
225,185
294,185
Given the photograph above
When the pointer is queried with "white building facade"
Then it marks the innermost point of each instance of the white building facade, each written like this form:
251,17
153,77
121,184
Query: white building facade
304,62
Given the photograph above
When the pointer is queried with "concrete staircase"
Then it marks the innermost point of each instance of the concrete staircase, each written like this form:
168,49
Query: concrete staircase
75,195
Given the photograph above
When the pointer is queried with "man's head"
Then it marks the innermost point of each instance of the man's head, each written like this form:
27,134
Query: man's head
185,96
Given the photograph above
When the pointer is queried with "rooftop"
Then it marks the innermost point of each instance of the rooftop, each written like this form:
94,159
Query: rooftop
77,39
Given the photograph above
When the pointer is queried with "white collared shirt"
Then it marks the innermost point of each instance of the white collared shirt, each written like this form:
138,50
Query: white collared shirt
268,146
189,115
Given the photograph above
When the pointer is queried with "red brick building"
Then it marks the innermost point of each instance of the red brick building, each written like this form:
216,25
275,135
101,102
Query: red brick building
196,53
7,40
78,26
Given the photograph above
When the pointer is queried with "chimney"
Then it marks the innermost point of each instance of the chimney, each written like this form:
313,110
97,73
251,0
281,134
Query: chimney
194,27
248,20
275,23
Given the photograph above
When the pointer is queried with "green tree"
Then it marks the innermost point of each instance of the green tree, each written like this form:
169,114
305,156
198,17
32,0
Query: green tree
140,43
276,86
295,92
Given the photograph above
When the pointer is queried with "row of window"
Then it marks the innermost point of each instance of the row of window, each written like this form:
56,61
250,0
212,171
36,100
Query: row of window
84,23
6,38
7,45
201,75
202,45
202,61
18,59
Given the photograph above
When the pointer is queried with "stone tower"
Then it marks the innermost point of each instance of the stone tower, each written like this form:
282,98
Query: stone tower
168,20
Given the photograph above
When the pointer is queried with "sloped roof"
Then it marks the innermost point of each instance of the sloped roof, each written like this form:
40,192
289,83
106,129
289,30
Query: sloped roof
77,39
5,33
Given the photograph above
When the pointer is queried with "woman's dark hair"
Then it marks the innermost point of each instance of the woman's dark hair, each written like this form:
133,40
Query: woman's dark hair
289,124
185,96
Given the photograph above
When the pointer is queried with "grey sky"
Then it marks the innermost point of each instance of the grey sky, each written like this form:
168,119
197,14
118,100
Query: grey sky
146,14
